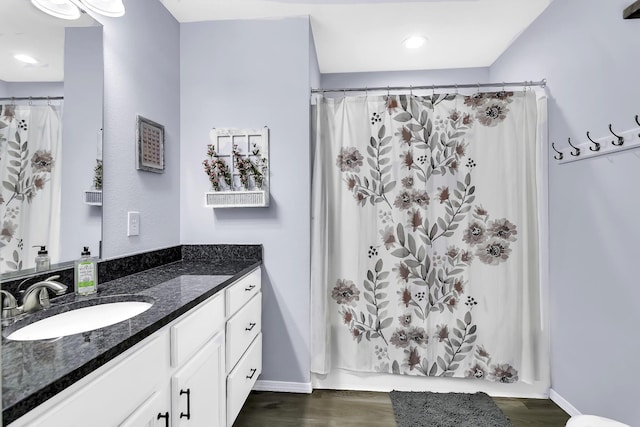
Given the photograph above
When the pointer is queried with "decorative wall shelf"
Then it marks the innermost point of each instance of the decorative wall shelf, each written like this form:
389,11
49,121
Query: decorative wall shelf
93,197
241,145
237,199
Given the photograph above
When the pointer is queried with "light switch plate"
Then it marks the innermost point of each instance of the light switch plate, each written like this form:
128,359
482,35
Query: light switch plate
133,223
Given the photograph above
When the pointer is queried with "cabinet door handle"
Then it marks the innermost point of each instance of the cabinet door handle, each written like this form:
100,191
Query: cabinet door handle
249,288
253,372
188,414
251,326
166,418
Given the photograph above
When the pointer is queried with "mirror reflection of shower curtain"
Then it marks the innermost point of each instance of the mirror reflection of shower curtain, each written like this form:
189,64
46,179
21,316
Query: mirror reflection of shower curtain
30,185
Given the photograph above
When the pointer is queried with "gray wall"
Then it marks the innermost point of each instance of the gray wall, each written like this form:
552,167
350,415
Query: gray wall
405,78
141,76
250,74
81,224
3,89
20,89
589,55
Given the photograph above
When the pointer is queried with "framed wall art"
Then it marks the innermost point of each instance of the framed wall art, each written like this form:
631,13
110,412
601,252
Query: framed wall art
150,145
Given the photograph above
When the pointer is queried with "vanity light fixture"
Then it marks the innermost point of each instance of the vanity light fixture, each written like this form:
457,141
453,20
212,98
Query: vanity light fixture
25,58
414,42
110,8
72,9
63,9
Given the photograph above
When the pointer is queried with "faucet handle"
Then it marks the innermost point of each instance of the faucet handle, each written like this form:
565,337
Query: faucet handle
43,298
9,305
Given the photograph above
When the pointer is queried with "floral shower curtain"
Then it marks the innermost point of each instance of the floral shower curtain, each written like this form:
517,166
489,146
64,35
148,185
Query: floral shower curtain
425,236
30,148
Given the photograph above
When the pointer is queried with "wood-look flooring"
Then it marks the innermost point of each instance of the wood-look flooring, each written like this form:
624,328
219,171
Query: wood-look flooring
335,408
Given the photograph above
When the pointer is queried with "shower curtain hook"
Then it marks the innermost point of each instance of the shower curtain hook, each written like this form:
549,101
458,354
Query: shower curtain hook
457,89
48,100
410,90
388,95
478,88
13,101
577,150
30,101
620,139
433,91
597,144
560,155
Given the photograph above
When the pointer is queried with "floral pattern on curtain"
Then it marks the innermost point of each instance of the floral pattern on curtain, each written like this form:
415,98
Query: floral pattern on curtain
30,138
425,235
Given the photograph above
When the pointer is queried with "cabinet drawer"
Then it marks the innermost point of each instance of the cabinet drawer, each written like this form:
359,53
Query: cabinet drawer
242,328
241,380
190,334
241,292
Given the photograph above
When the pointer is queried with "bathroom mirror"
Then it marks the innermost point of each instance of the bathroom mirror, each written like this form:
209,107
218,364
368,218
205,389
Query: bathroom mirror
51,144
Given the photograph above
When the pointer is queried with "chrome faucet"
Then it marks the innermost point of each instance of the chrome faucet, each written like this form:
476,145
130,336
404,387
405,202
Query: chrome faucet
34,298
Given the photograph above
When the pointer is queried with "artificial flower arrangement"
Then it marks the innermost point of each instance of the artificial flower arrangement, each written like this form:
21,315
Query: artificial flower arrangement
248,169
250,172
97,175
217,170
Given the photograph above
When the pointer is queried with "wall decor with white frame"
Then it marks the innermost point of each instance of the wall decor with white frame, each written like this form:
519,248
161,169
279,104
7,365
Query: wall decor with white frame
237,165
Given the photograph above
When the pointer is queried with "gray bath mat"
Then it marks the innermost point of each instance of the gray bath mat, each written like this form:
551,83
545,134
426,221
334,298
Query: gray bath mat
427,409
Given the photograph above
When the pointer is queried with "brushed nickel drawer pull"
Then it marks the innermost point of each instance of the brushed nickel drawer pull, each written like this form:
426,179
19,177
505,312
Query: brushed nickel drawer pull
253,372
250,288
251,326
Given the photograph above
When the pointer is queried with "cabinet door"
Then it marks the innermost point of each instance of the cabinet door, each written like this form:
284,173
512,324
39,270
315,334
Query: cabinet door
154,412
198,389
111,396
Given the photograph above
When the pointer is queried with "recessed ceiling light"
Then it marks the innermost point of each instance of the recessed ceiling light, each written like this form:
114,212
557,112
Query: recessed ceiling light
414,42
25,58
62,9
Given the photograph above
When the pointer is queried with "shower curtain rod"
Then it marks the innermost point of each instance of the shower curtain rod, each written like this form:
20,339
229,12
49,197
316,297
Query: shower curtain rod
33,98
541,83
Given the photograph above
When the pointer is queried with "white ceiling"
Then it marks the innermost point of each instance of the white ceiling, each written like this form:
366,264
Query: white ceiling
366,35
24,29
350,35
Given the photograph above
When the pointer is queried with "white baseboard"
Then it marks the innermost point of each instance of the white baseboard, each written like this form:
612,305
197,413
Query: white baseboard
563,403
283,386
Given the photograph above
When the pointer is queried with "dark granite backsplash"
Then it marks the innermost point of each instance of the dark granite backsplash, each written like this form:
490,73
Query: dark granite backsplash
217,253
116,268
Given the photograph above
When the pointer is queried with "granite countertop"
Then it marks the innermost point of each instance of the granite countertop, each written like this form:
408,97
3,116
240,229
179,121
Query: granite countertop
34,371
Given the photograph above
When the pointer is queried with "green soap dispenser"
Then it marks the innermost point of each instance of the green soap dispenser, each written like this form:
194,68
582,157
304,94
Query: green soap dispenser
86,274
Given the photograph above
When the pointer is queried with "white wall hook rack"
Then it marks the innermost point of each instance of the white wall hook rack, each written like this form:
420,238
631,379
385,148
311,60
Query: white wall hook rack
605,146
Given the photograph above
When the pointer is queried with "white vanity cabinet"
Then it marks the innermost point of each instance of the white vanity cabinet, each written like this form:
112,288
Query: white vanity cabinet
196,371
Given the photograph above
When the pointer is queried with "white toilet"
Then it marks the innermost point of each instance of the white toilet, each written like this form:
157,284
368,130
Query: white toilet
593,421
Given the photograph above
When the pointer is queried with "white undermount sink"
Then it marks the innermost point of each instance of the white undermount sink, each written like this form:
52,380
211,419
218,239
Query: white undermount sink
80,320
